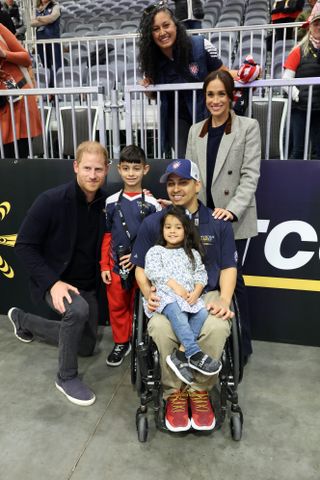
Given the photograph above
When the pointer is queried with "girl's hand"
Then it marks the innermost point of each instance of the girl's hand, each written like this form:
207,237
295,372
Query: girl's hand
182,292
192,297
222,214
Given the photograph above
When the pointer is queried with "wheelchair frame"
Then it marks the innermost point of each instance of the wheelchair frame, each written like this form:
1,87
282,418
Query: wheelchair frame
146,376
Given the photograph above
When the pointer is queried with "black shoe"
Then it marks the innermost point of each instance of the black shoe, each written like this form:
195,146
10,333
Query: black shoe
204,364
23,335
180,368
119,351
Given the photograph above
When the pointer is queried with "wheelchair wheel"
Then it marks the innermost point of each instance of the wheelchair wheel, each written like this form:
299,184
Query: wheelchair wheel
142,427
236,427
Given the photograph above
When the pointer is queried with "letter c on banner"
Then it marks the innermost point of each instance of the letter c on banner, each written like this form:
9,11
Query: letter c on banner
272,248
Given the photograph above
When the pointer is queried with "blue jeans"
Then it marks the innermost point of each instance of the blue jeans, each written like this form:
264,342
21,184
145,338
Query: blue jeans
186,326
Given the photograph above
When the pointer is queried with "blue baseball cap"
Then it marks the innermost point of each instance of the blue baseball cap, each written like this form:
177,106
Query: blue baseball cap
182,167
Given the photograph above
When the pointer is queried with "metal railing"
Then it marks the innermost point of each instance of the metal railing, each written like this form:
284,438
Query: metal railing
82,58
143,117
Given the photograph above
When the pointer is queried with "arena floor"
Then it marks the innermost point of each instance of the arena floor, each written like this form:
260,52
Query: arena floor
45,437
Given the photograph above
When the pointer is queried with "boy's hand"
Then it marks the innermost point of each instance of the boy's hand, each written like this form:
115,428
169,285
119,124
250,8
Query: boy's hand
164,202
106,277
125,262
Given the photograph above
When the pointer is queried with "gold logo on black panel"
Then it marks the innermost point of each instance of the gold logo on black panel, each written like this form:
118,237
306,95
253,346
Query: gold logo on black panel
7,241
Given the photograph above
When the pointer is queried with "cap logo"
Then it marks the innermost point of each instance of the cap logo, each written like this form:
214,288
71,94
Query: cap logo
176,165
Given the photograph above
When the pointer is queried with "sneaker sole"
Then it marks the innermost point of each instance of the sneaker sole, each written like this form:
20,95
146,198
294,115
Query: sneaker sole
177,429
177,371
15,328
205,373
117,364
76,401
200,427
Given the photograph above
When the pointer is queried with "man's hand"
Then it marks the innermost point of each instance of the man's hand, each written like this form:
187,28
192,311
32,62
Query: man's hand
220,309
153,300
106,277
60,291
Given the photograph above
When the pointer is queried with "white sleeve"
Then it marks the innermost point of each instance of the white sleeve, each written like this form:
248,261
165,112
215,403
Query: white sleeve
289,75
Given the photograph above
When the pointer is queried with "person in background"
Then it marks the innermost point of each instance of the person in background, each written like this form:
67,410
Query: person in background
14,63
169,55
304,61
227,150
303,17
12,8
189,12
285,12
6,20
59,244
125,211
47,24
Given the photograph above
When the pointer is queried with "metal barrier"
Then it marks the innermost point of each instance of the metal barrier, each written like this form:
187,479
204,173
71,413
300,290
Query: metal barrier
67,117
111,60
143,119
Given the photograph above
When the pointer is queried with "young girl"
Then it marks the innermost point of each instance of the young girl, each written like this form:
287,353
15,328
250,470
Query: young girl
175,268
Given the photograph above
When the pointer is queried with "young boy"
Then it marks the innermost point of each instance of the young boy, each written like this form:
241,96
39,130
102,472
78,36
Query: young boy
125,210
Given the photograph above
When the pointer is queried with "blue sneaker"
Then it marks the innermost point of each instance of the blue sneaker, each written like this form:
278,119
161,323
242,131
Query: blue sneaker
76,391
14,315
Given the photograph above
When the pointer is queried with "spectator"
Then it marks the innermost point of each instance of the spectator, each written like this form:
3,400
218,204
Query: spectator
6,20
169,55
183,184
12,8
47,24
189,12
59,244
227,150
304,61
303,17
285,11
14,63
125,211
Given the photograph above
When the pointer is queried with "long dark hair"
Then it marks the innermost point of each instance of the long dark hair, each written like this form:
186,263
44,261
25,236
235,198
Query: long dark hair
191,236
149,52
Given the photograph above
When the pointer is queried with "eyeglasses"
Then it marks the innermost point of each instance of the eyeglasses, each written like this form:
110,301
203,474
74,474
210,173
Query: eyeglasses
156,6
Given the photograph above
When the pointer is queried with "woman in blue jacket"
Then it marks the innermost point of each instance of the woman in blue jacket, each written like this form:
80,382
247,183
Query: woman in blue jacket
47,23
169,55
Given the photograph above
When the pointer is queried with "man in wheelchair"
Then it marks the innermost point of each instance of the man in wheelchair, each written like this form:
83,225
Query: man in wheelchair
183,185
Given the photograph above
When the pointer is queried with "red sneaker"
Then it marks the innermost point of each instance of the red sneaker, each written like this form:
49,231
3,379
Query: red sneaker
177,417
202,414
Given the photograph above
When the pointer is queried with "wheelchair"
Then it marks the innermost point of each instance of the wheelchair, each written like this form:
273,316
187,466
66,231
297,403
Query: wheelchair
146,377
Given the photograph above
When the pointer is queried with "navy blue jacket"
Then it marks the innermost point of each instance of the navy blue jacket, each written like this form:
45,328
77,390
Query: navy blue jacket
46,238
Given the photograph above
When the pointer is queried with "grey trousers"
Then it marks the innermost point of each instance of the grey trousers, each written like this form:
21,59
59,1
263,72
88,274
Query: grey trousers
211,340
75,333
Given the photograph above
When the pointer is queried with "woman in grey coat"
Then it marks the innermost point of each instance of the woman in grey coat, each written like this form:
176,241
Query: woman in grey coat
227,150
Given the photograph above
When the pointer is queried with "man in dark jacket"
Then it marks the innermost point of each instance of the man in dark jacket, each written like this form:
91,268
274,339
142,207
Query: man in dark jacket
59,243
